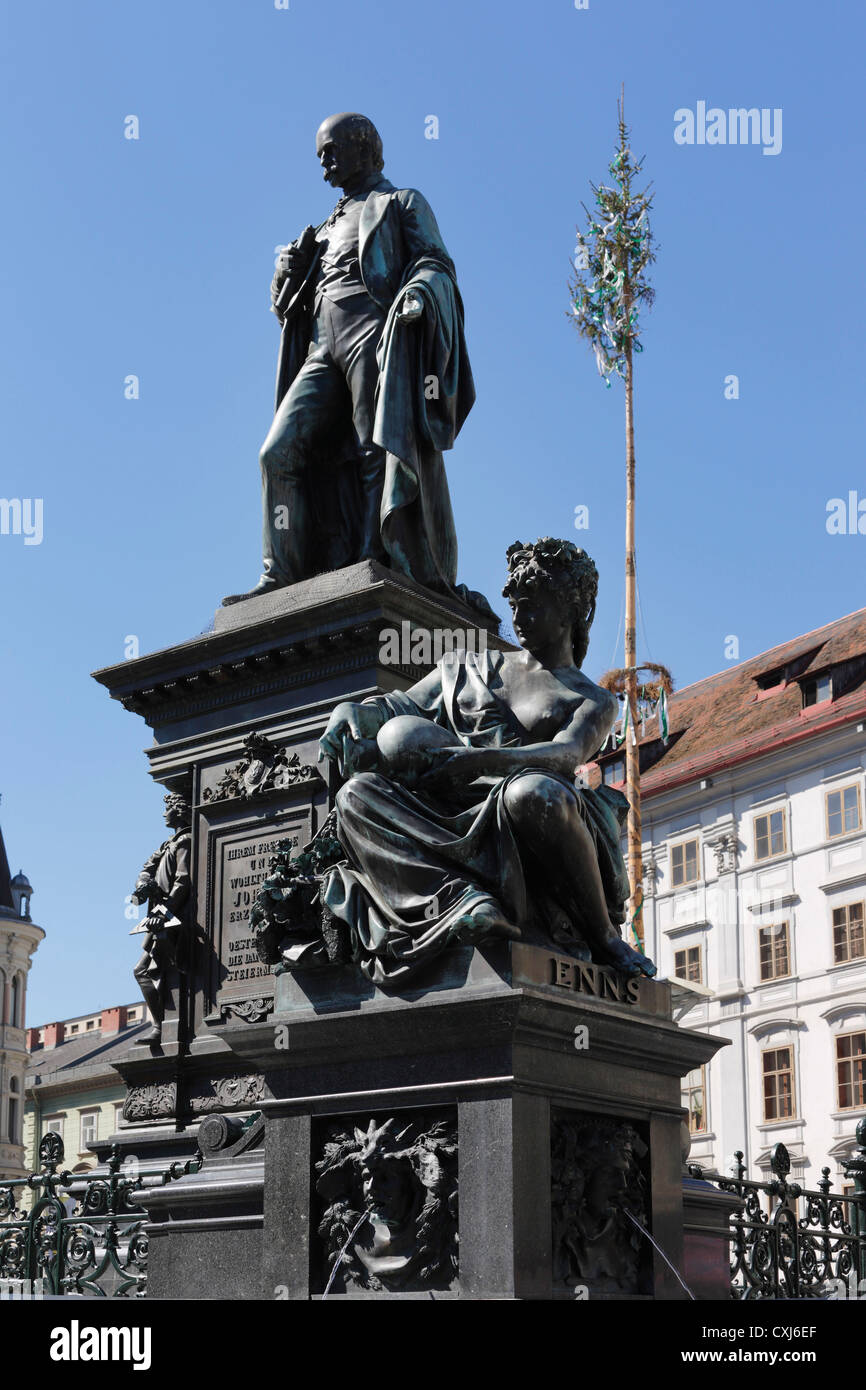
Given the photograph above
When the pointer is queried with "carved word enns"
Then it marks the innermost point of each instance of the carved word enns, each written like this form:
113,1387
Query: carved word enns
595,980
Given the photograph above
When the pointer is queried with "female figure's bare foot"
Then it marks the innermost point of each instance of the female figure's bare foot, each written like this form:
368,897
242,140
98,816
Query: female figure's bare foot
625,958
483,919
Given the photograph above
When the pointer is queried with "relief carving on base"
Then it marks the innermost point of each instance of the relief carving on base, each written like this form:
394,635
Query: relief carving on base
230,1090
158,1100
389,1194
151,1102
263,768
250,1010
598,1193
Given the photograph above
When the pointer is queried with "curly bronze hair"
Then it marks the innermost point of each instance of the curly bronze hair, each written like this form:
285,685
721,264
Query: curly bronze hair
562,569
177,802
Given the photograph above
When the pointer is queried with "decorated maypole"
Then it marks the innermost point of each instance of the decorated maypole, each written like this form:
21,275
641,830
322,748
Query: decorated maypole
609,289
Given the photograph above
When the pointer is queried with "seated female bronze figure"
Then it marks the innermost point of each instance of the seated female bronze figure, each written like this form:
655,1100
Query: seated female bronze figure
461,818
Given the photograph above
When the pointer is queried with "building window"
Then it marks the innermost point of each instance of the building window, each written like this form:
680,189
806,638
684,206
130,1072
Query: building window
15,1019
89,1121
851,1071
770,835
694,1100
613,772
849,940
774,950
53,1125
684,863
778,1071
843,811
14,1110
91,1023
816,691
688,964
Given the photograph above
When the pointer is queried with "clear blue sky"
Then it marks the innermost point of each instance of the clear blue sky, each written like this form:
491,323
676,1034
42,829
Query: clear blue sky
154,257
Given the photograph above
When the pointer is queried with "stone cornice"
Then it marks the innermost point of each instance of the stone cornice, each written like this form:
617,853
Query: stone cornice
297,636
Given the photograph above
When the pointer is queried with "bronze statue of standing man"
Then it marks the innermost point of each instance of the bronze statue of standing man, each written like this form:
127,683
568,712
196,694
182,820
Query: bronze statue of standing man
164,884
373,381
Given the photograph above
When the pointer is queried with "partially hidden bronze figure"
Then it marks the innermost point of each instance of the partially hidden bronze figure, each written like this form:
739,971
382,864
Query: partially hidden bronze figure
461,818
164,884
373,382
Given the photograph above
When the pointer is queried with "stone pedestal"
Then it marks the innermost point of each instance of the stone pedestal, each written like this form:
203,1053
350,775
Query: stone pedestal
484,1134
276,666
706,1243
557,1086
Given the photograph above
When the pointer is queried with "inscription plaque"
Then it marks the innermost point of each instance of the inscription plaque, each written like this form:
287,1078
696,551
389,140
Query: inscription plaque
242,862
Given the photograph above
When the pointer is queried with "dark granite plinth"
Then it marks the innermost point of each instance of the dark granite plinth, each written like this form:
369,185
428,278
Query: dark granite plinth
499,1046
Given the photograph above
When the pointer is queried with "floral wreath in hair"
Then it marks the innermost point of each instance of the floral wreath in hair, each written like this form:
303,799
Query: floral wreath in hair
562,567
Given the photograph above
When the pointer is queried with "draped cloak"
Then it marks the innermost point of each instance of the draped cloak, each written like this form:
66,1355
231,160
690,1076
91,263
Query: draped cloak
418,861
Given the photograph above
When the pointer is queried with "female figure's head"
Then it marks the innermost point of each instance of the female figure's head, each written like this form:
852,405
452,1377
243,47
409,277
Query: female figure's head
552,588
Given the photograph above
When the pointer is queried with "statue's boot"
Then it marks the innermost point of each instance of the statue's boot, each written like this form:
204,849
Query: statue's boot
372,470
151,1038
151,989
266,585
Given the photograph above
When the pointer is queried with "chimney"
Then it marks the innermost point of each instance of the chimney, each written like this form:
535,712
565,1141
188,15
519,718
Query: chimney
53,1034
113,1020
32,1038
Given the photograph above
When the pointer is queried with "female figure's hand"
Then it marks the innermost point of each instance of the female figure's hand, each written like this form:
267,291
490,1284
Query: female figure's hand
350,738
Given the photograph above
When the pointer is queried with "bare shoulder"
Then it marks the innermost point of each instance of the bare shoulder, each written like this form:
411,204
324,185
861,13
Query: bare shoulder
604,701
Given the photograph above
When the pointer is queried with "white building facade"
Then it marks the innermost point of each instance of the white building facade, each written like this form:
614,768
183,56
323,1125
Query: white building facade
754,829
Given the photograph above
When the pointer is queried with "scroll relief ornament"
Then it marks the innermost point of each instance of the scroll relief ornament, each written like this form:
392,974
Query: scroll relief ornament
263,768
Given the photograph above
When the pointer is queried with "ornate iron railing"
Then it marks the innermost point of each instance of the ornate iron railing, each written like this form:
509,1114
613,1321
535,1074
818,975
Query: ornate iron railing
788,1241
83,1235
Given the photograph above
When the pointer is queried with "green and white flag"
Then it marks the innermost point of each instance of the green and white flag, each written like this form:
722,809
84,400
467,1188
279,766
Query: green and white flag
663,716
627,726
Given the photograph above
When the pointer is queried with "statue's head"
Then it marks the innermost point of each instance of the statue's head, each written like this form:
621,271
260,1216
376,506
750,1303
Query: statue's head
178,811
388,1183
552,587
606,1157
349,148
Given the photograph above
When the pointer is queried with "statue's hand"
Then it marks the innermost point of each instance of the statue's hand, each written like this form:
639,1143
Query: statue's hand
290,261
350,738
142,890
411,309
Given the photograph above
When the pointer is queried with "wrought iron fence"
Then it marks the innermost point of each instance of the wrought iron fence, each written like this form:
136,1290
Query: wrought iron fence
83,1235
788,1241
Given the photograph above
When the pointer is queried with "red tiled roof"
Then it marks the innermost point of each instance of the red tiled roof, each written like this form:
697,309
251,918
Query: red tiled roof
728,718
